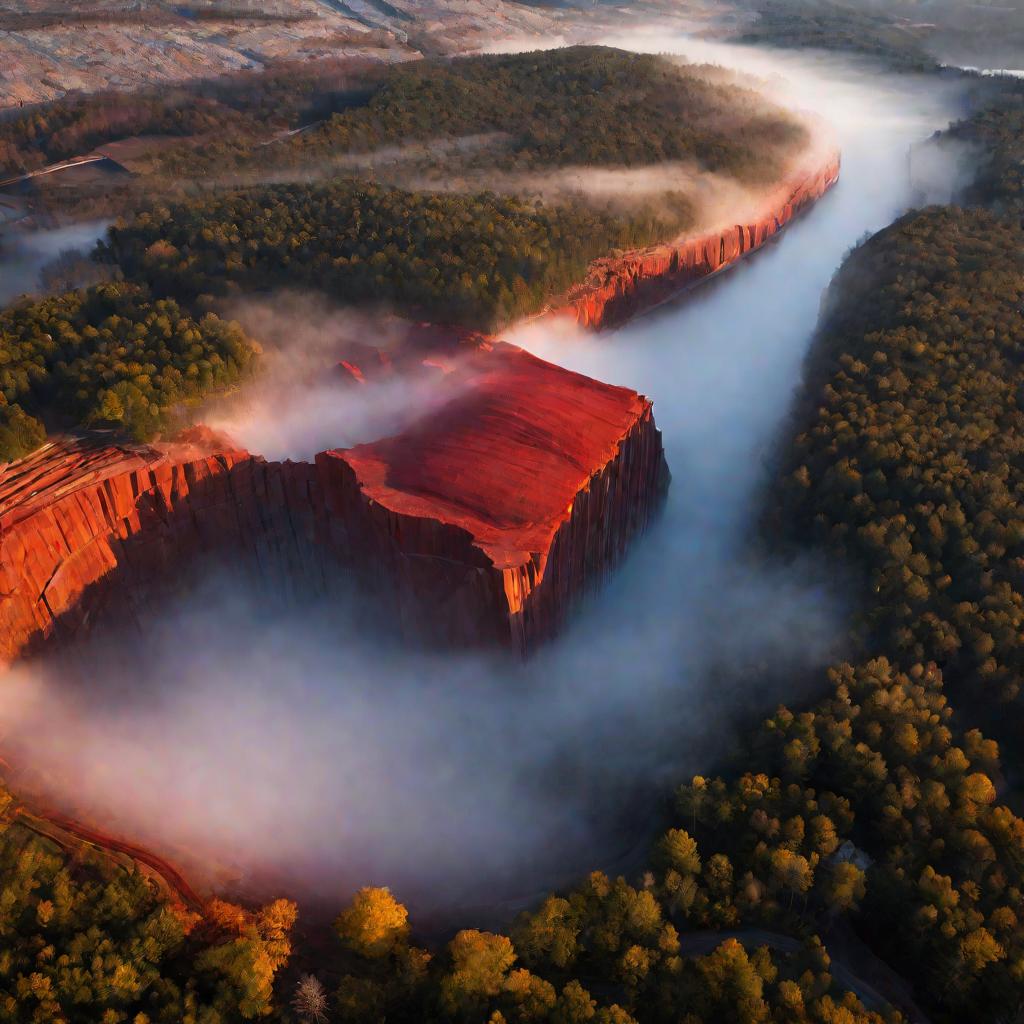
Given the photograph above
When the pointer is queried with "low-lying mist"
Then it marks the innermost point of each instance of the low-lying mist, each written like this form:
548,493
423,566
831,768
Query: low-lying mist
295,752
303,402
681,192
24,255
306,754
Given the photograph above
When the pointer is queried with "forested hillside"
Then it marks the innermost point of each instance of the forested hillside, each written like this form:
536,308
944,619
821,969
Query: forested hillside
109,355
77,125
906,465
587,105
479,260
911,464
583,105
995,141
84,940
842,26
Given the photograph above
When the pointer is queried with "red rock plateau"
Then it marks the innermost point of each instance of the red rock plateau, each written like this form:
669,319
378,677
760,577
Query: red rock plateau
619,287
493,516
483,523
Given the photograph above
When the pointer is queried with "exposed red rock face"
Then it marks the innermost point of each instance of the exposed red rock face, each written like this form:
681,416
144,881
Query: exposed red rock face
617,288
491,517
85,522
482,524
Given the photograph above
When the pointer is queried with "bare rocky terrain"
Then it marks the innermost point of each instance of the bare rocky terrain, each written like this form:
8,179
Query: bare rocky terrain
48,49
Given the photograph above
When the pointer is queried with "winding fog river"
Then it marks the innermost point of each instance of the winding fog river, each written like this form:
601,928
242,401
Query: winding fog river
310,757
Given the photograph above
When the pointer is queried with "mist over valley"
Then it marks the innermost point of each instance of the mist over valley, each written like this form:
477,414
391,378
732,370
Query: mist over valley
580,461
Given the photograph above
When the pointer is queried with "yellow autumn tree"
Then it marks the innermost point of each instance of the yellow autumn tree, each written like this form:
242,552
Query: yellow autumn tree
375,924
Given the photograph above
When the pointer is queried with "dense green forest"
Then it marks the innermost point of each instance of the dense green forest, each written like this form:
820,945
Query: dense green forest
911,463
109,355
879,762
906,464
995,140
479,260
579,105
86,941
840,25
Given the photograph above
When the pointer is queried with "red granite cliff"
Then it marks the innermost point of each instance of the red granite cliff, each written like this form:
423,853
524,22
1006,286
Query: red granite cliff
619,287
490,518
87,522
482,524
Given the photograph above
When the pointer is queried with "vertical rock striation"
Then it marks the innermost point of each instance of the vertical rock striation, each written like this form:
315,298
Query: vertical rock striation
618,287
86,523
482,524
487,521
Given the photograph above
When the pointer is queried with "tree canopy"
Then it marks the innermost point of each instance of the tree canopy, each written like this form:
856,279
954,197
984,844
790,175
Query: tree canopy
109,355
589,105
478,260
85,940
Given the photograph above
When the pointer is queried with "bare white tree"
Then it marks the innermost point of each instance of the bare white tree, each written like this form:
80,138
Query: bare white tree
310,1000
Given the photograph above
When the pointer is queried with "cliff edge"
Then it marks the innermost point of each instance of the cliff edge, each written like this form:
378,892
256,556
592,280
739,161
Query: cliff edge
481,524
621,286
87,522
491,517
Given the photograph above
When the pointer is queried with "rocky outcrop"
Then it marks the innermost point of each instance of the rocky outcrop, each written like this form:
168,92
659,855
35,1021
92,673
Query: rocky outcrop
87,522
618,287
483,523
415,350
487,521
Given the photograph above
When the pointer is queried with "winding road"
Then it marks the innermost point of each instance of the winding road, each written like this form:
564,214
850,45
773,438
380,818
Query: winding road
64,165
57,828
